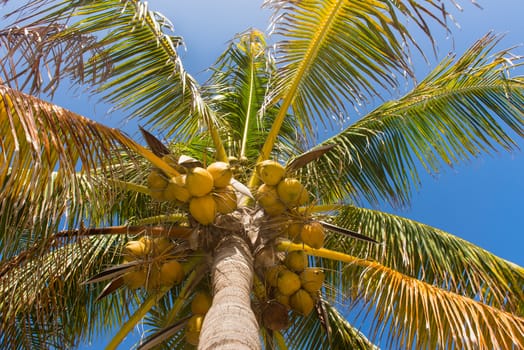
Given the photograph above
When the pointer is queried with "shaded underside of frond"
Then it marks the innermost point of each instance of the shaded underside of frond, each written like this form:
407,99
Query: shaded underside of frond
43,300
464,108
433,256
325,328
405,312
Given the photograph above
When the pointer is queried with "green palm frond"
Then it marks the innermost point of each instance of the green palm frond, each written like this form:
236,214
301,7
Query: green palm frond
44,291
465,107
333,52
310,332
133,64
433,256
238,89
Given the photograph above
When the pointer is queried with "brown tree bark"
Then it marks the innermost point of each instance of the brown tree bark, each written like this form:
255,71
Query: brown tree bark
231,323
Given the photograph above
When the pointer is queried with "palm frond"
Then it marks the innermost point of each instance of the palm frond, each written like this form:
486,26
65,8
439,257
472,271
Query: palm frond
334,52
465,107
419,315
133,64
44,292
433,256
238,89
309,332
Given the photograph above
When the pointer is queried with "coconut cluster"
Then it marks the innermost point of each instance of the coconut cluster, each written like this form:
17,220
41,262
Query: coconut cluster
207,191
156,268
200,304
293,284
278,192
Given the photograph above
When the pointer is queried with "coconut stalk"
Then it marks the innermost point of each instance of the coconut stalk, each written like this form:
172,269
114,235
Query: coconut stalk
230,322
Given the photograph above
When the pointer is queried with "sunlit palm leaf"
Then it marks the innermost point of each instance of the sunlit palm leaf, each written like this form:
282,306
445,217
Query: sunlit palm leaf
433,256
135,66
238,89
333,52
419,315
463,108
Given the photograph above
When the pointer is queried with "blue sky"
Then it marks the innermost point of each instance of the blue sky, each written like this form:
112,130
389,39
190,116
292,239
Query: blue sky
480,201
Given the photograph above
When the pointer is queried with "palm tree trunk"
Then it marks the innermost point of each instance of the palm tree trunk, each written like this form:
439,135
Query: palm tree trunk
231,323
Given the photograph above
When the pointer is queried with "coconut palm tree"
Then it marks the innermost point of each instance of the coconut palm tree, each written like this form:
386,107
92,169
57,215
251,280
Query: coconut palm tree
273,244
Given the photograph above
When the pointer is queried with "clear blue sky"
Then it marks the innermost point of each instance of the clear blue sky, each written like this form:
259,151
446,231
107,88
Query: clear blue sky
480,201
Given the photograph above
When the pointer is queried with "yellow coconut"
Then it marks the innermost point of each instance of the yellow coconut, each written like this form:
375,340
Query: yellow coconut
193,328
282,299
294,229
270,172
225,199
221,173
302,302
288,282
134,250
313,235
201,303
296,260
272,273
135,279
276,209
156,181
171,272
153,280
290,191
311,279
176,190
148,243
203,209
199,182
162,245
267,195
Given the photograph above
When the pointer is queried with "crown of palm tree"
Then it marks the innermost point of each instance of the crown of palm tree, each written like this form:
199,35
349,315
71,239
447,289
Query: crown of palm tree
79,199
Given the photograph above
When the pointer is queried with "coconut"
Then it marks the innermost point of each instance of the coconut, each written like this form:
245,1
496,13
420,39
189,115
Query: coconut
134,250
135,279
281,298
199,182
171,272
201,303
267,195
311,279
221,173
193,327
288,282
294,229
176,190
302,302
225,199
290,191
275,316
203,209
296,260
156,181
272,273
270,172
276,209
313,235
162,245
